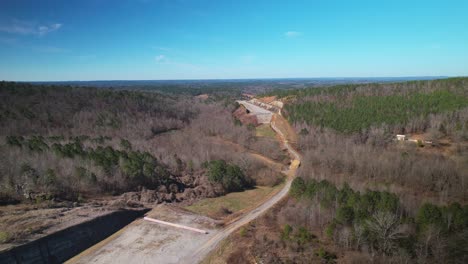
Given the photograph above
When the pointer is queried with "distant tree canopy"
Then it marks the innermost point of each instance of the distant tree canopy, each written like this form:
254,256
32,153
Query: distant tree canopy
352,108
363,112
229,176
452,84
39,109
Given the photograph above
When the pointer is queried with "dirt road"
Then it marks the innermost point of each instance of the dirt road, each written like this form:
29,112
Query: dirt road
211,244
146,242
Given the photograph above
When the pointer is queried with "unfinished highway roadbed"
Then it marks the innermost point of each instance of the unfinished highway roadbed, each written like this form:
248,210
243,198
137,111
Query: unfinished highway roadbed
149,242
263,115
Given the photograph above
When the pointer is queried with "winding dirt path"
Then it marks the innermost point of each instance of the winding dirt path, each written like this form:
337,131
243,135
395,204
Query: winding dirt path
211,244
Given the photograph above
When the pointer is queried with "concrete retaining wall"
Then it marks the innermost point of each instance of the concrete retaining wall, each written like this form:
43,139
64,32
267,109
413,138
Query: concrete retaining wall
63,245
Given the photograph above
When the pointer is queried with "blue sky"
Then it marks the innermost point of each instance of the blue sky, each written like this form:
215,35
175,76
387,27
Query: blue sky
176,39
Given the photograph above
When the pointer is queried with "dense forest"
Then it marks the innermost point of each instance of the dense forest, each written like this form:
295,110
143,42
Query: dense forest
376,221
353,108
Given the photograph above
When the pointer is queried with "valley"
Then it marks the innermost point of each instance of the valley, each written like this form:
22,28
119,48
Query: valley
247,171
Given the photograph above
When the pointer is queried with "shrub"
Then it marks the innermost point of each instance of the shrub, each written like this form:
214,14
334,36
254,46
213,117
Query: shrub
286,232
4,236
303,235
326,256
29,173
455,214
330,230
345,215
85,174
243,231
50,178
14,140
429,214
304,132
36,143
420,143
125,144
298,187
229,176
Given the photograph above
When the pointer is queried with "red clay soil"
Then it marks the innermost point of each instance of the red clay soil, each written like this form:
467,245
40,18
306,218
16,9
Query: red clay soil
244,117
287,129
267,100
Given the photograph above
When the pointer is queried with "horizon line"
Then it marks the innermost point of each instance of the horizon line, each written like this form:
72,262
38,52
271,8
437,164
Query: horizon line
240,79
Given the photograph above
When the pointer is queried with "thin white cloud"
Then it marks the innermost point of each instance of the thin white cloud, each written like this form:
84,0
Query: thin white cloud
162,48
160,58
43,30
29,28
292,34
163,60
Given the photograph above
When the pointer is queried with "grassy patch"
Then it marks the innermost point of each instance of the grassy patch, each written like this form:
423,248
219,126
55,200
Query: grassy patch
4,236
233,202
265,130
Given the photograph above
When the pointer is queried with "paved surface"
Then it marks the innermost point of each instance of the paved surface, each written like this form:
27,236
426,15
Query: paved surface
147,242
263,115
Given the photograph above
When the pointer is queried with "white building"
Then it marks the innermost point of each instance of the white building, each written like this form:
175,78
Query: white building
401,137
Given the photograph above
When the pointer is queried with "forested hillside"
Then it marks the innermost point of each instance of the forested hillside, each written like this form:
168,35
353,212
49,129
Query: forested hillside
353,108
61,142
361,196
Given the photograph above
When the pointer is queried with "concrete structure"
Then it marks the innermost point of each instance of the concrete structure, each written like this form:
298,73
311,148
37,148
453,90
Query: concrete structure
263,115
272,106
401,137
175,225
405,138
278,104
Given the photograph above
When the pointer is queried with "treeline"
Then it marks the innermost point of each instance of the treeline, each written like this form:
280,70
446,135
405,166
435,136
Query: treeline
27,109
100,169
359,107
377,223
365,111
376,89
